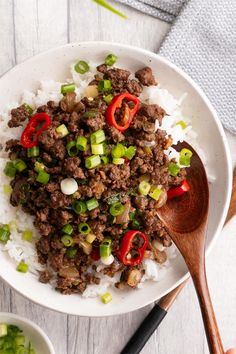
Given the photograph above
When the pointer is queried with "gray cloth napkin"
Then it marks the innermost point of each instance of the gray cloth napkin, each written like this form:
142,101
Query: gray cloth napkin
202,41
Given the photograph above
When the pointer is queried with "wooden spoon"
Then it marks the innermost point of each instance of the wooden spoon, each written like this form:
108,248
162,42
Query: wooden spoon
186,220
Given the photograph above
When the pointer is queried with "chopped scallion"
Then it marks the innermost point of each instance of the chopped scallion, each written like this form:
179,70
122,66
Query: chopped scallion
97,149
22,267
118,161
4,233
33,152
105,160
185,157
28,108
155,193
81,143
110,59
27,235
71,252
7,189
67,229
105,248
39,166
98,137
9,169
90,114
92,204
173,169
67,88
90,238
72,148
81,67
92,161
107,98
67,240
84,228
144,188
62,130
43,177
116,209
118,151
130,152
79,207
106,298
182,124
20,165
104,85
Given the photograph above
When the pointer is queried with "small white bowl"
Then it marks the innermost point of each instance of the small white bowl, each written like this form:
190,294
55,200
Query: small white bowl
39,340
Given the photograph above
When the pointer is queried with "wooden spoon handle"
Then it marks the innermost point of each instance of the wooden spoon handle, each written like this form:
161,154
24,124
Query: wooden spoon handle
208,315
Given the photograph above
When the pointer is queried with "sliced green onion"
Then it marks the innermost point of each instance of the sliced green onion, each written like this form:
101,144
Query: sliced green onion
90,114
43,177
185,157
132,215
19,342
72,148
62,130
90,238
67,229
22,267
67,88
81,67
81,143
98,137
79,207
130,152
182,124
28,108
67,240
104,85
106,298
33,152
110,59
5,233
39,166
110,8
118,151
7,189
97,149
173,169
118,161
105,160
144,187
107,98
135,224
27,235
9,169
116,209
105,248
20,165
84,228
92,161
106,149
155,193
71,252
92,204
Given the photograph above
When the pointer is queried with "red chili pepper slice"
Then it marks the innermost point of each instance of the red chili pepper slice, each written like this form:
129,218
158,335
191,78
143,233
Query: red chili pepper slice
178,191
127,245
37,124
129,113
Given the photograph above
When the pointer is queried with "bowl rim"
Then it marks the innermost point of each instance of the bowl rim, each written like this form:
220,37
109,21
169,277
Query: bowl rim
216,119
33,325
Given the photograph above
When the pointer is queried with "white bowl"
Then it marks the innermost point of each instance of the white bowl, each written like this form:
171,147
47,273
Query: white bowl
40,342
55,64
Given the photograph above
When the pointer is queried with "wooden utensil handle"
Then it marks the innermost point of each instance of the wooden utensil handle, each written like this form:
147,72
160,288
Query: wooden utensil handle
208,315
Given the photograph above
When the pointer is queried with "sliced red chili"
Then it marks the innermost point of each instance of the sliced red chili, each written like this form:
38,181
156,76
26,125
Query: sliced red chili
128,113
37,124
178,191
127,245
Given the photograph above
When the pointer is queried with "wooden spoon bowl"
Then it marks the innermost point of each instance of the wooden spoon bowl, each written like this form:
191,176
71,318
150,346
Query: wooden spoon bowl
185,218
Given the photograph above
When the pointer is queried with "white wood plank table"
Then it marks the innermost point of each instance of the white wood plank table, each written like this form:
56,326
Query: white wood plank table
31,26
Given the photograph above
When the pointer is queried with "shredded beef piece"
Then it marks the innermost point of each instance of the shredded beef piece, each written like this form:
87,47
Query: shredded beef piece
48,137
140,202
18,116
96,123
20,191
72,169
145,76
44,276
134,87
59,200
118,78
42,214
46,157
67,104
102,68
44,227
152,111
52,186
43,245
55,259
115,134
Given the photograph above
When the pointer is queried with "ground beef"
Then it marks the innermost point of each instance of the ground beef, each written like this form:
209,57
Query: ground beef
146,77
18,116
108,183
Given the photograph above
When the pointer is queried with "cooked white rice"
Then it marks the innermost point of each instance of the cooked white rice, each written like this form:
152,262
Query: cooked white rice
20,250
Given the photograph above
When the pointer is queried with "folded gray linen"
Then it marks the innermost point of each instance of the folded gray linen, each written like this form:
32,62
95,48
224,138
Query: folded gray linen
202,41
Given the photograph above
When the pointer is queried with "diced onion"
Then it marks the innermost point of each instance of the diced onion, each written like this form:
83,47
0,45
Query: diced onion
69,186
